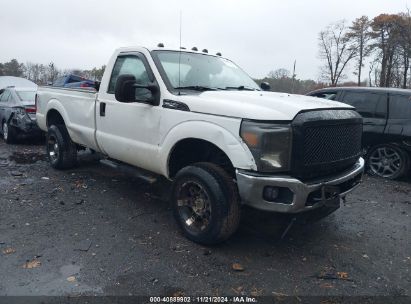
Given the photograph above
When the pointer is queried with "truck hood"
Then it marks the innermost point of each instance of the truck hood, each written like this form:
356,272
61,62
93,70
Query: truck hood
256,105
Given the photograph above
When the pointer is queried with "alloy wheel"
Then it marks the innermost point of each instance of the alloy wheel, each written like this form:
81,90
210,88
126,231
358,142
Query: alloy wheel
385,162
194,206
53,148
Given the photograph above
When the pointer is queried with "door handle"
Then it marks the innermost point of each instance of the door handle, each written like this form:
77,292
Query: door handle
102,109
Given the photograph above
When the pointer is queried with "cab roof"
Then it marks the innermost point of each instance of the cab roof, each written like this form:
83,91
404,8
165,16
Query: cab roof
157,48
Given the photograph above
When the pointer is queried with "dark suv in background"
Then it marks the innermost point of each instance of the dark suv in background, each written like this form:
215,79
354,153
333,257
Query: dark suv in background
386,125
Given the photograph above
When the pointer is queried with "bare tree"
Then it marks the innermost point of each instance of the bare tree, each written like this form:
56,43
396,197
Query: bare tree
404,41
279,73
37,69
373,70
52,72
13,68
359,37
385,34
94,73
335,50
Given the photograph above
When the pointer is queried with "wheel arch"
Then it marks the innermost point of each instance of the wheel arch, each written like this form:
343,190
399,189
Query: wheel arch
209,135
193,150
54,117
56,112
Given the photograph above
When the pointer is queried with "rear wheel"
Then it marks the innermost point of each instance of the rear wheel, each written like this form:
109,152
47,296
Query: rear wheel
206,203
388,161
9,133
62,152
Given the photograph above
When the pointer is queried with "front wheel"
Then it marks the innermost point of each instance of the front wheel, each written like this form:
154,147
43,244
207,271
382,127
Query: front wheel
62,152
206,203
388,161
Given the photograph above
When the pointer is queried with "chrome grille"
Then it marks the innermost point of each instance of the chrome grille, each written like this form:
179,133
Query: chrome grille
325,142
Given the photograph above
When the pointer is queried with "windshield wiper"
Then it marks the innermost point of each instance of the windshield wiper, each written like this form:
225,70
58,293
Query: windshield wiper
196,88
240,88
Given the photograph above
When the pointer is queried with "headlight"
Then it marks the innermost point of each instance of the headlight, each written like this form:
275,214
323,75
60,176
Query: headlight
269,143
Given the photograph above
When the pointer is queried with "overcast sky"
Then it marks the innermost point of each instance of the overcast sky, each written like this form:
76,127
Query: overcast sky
259,35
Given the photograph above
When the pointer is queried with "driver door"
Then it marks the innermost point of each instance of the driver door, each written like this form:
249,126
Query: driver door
129,132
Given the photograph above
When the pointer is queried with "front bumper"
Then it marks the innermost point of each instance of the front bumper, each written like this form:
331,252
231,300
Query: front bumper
300,196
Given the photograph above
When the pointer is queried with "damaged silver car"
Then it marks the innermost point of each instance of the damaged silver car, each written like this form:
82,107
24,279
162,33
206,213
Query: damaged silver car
18,113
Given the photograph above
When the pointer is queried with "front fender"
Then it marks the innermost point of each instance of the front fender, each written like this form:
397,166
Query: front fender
236,150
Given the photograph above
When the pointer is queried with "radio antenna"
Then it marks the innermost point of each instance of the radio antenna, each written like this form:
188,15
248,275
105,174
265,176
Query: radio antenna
179,59
293,79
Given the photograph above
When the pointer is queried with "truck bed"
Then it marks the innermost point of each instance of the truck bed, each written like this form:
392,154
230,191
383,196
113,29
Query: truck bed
80,103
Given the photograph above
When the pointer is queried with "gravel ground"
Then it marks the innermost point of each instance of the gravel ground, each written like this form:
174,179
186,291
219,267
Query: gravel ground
95,231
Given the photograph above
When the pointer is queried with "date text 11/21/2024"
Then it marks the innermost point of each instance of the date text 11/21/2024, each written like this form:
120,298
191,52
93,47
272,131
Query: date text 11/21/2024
204,299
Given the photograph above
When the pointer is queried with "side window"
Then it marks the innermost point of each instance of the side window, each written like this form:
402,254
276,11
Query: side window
400,106
129,65
368,104
5,96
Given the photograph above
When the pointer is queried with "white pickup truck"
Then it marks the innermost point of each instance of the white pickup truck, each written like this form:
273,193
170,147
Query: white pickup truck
202,122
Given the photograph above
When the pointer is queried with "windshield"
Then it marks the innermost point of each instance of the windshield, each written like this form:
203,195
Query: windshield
26,95
202,71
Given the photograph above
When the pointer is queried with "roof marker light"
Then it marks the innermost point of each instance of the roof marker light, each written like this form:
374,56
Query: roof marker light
205,51
160,45
194,49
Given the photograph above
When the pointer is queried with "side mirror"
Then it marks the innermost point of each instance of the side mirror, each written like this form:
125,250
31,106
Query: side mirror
265,86
124,90
128,90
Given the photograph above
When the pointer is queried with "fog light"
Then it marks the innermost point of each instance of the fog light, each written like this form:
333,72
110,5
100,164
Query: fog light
281,195
270,193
